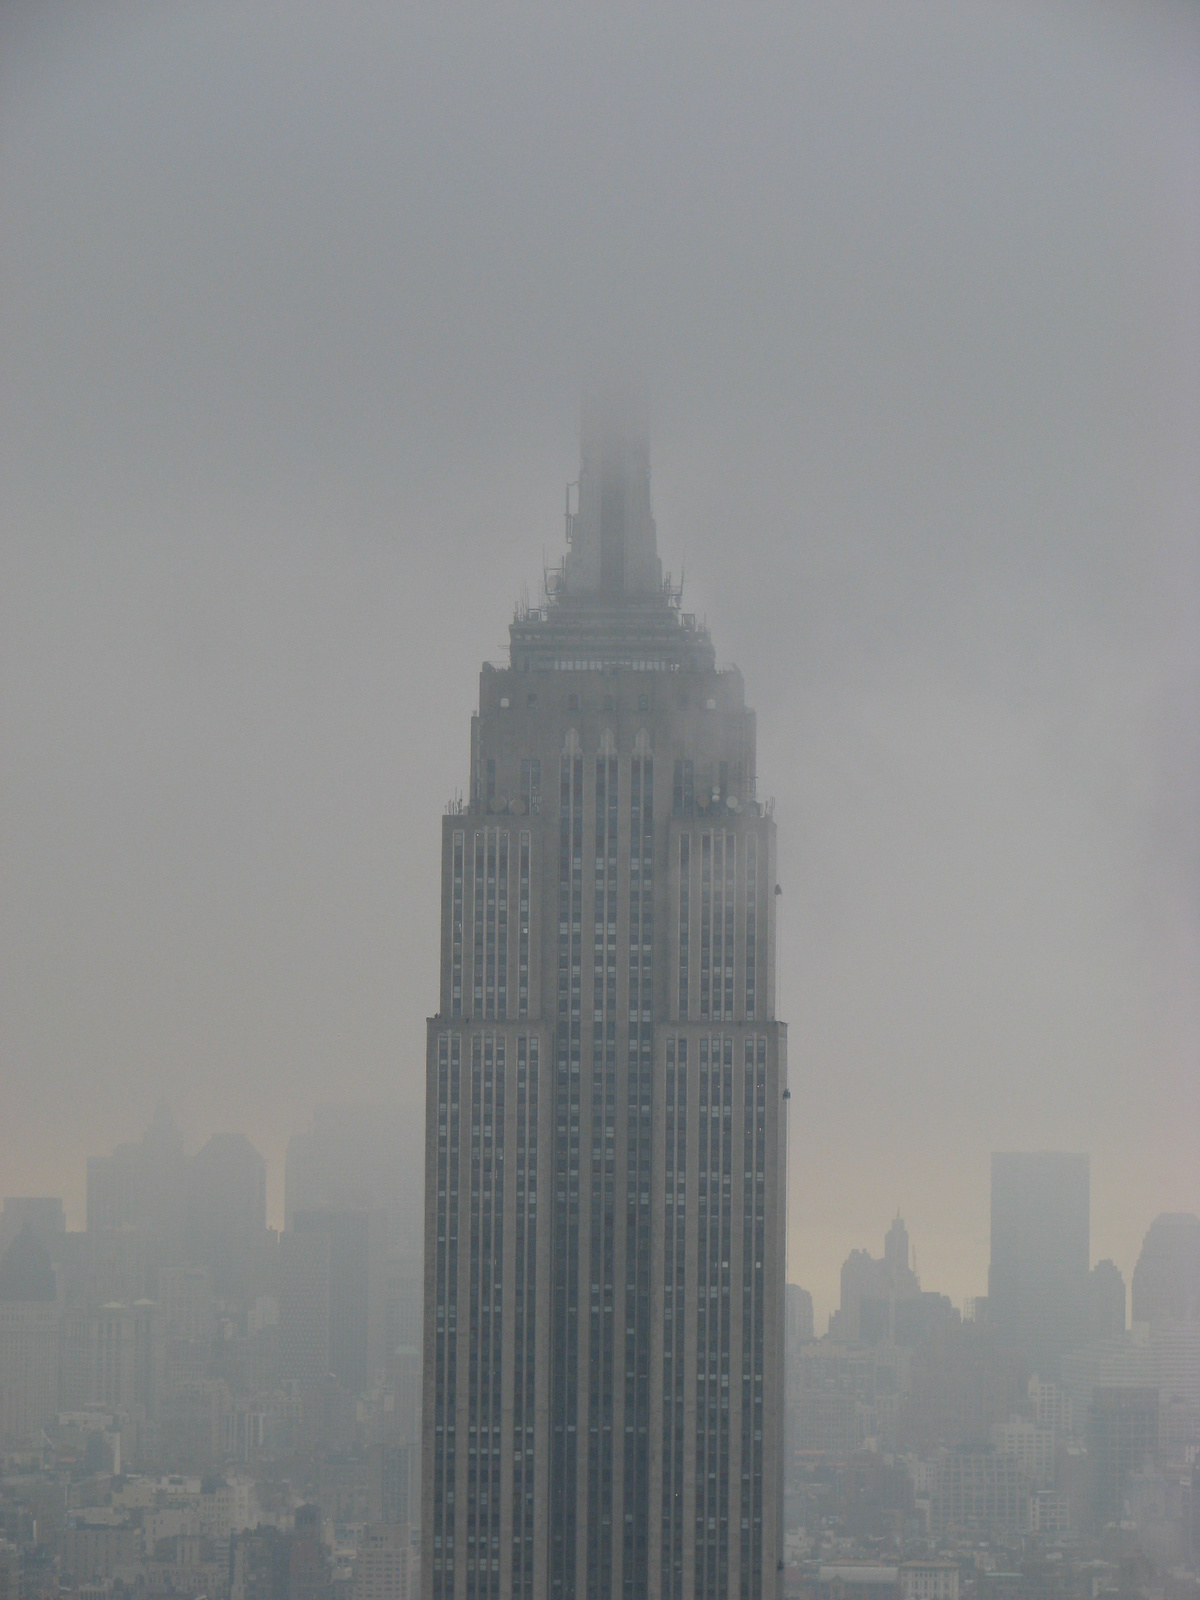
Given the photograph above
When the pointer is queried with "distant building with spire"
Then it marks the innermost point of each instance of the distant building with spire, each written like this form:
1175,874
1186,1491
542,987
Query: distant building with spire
606,1128
871,1289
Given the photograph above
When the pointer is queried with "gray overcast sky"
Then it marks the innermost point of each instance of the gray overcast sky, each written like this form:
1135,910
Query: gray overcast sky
296,305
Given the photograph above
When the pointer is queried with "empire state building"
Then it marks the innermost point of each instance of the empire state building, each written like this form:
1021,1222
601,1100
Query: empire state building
606,1103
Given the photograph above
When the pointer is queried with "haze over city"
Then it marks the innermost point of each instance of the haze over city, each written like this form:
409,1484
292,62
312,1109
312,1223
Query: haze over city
297,314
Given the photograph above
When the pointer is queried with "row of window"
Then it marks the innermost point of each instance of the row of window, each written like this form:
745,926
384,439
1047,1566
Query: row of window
490,908
718,1086
718,889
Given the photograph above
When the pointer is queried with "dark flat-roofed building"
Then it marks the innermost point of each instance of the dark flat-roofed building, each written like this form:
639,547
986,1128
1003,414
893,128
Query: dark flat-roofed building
1038,1277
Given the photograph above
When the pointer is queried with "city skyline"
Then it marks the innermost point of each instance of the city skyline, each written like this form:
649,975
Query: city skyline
296,335
325,1172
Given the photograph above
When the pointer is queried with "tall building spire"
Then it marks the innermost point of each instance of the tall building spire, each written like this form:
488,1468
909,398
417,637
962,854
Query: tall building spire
613,552
606,1091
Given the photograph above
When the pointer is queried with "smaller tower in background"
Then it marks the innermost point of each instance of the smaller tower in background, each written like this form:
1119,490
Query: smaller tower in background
1106,1303
1038,1277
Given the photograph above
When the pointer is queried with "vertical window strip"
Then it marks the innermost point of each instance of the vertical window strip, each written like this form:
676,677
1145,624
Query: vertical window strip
523,926
446,1343
452,1306
632,1166
502,930
531,1320
490,991
439,1343
495,1363
532,1325
726,1311
531,784
477,908
456,926
747,1376
674,1316
706,924
520,1312
718,925
668,1386
475,1363
564,1341
706,1386
524,1317
751,922
636,1482
730,902
603,1174
760,1281
683,789
714,1215
685,887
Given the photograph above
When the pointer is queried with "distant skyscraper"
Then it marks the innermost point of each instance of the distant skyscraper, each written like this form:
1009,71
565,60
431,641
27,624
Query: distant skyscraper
305,1351
1166,1280
871,1289
42,1215
332,1298
798,1316
29,1313
139,1185
1038,1278
1122,1432
1106,1302
225,1221
605,1148
364,1157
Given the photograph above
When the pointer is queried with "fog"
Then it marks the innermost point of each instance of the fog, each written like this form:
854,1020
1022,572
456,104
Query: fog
297,307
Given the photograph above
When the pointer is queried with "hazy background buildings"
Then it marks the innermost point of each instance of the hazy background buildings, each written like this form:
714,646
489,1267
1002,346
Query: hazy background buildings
296,312
158,1429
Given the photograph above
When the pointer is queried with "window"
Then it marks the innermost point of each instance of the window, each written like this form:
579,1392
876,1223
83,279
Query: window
643,702
572,702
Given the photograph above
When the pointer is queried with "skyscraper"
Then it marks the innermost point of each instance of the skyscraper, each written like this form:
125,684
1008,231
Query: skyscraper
606,1131
1166,1279
1038,1277
332,1300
